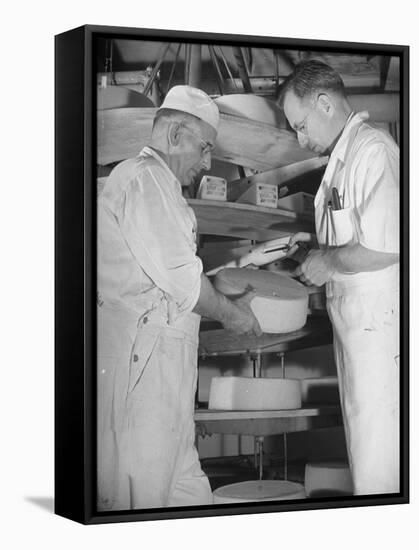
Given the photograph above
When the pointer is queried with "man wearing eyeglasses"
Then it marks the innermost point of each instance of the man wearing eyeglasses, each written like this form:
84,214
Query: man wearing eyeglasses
151,294
356,253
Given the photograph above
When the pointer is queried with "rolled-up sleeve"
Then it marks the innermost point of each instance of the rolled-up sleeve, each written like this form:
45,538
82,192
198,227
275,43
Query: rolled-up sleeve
378,174
160,239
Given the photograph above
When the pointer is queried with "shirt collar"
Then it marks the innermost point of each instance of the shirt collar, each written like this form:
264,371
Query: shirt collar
149,152
342,146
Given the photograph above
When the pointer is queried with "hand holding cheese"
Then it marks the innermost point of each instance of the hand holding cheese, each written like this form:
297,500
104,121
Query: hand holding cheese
244,322
278,302
235,315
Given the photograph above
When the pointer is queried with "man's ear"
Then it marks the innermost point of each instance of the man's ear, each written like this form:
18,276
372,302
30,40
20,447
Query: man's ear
174,133
325,103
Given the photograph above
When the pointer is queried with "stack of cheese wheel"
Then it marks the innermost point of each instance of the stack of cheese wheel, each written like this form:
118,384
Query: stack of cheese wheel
280,304
254,394
254,491
328,478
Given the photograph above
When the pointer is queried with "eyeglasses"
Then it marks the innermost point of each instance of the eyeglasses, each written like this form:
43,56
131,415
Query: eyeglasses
206,146
301,128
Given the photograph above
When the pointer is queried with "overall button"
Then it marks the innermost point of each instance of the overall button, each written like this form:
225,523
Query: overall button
145,320
135,358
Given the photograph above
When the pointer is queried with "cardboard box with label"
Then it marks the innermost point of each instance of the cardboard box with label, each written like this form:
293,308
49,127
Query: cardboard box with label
260,194
302,203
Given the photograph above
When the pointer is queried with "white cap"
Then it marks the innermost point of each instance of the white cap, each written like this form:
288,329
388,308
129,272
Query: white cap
193,101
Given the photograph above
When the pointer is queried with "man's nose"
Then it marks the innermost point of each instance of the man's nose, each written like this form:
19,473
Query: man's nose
302,140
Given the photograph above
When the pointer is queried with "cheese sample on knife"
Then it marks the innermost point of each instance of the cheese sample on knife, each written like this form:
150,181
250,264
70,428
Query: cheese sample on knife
237,393
280,304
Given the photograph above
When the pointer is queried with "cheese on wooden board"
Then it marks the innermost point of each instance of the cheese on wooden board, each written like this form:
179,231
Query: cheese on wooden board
254,394
323,389
253,491
331,477
280,304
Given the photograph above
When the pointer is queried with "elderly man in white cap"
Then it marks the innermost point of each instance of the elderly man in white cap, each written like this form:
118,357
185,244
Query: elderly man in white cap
151,293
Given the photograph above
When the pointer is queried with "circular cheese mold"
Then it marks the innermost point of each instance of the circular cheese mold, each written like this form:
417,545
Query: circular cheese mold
280,304
264,490
330,477
237,393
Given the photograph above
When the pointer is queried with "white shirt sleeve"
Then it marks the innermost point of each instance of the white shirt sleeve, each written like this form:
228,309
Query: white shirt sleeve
377,177
160,239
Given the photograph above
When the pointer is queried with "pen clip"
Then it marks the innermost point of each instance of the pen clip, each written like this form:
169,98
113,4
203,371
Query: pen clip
336,205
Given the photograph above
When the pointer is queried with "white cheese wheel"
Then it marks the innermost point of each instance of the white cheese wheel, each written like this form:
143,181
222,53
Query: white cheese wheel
253,491
254,394
320,390
331,477
280,304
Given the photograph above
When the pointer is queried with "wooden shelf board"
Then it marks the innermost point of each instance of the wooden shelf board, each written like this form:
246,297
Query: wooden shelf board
245,221
213,414
316,332
264,423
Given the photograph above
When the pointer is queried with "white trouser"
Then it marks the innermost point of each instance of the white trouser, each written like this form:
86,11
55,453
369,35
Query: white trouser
146,452
366,346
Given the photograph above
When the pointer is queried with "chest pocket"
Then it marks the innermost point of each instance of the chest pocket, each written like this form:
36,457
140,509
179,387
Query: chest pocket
341,224
341,227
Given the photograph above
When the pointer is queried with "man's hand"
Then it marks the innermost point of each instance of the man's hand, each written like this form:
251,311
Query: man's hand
240,318
301,237
316,269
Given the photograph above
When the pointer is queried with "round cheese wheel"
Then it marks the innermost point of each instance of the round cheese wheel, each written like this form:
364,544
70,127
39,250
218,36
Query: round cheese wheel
280,304
253,491
330,477
237,393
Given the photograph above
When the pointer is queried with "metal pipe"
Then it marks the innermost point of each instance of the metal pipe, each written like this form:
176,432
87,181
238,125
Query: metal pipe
195,65
260,443
238,54
257,365
285,457
172,72
214,60
155,70
227,67
187,64
282,358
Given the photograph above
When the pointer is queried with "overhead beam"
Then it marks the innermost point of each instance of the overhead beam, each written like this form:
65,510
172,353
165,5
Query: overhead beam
381,107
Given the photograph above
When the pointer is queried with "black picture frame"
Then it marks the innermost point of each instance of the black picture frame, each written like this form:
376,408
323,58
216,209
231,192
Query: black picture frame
75,274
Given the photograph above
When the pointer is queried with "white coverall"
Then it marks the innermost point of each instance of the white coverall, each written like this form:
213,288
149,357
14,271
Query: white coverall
148,285
364,307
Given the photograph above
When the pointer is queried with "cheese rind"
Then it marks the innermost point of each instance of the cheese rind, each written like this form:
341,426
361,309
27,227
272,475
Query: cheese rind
328,477
254,394
280,304
253,491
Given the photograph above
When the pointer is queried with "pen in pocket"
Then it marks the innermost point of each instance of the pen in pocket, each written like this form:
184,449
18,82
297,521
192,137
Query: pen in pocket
335,200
